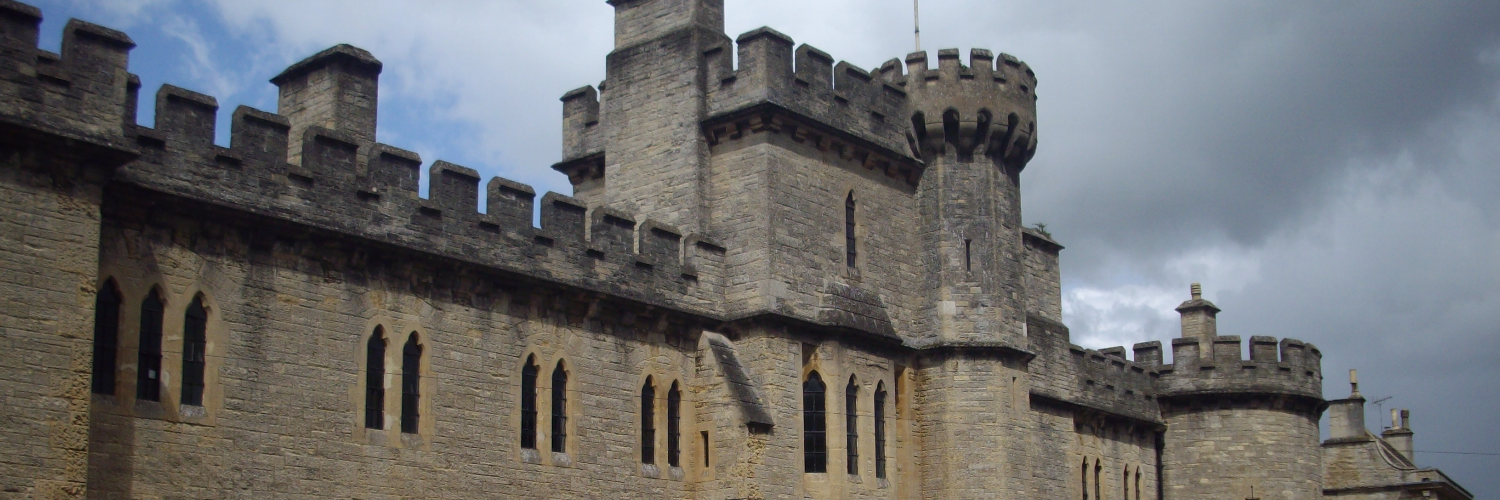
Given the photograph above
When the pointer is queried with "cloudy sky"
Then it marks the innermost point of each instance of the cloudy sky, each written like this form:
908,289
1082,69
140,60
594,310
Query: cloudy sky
1329,170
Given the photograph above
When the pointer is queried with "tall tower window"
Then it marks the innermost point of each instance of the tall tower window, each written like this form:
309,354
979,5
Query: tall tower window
814,425
411,384
559,409
194,343
375,380
880,430
106,338
674,426
148,361
648,423
850,250
528,403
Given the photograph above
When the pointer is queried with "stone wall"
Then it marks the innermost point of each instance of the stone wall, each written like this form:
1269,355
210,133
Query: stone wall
288,327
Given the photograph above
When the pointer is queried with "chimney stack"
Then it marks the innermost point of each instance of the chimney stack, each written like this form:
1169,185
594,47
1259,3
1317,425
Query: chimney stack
1199,316
335,89
1399,436
1346,417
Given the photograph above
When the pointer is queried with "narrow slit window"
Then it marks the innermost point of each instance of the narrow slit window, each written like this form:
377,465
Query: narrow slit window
880,431
559,409
148,361
648,423
528,403
194,343
851,426
375,380
674,426
1125,483
106,338
704,435
411,384
814,425
968,257
850,249
1137,483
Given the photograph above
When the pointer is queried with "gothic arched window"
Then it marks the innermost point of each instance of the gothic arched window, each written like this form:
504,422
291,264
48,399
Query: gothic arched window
528,403
880,430
148,360
411,384
648,423
674,426
194,343
106,338
559,409
375,380
851,425
814,425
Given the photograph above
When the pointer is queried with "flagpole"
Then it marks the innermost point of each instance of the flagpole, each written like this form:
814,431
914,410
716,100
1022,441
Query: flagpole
916,21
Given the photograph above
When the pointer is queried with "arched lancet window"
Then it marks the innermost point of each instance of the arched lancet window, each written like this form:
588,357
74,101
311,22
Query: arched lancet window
559,409
528,403
375,380
850,250
411,384
194,343
148,361
674,426
1083,479
648,423
106,338
1125,482
880,430
1137,483
814,425
851,425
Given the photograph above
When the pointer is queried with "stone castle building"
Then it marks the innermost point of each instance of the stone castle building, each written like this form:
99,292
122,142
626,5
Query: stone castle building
783,278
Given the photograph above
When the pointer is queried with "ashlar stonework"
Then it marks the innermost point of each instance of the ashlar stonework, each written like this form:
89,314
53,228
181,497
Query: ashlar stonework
809,279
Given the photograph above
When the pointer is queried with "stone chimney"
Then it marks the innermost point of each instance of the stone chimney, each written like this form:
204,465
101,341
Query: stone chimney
1198,316
335,89
1346,417
1400,434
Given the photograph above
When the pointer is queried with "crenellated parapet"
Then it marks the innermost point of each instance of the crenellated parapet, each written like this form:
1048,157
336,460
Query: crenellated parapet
1104,380
987,107
800,91
1215,366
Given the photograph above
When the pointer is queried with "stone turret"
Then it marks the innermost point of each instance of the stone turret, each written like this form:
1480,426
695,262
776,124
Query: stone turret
1228,418
974,127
